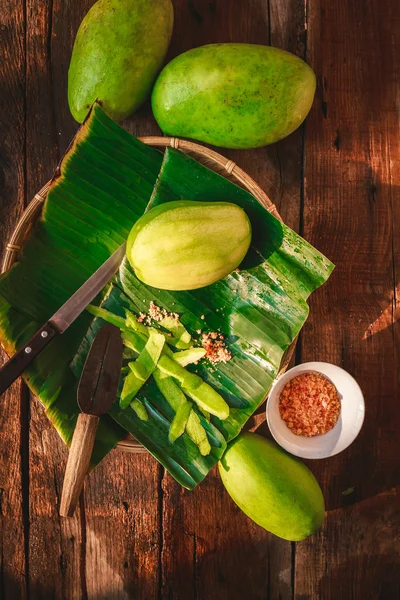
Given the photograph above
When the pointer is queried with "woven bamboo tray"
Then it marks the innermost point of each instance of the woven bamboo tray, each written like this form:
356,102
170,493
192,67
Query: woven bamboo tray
207,157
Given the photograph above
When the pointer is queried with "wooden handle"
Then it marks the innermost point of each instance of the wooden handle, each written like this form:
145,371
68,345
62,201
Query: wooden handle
25,355
78,462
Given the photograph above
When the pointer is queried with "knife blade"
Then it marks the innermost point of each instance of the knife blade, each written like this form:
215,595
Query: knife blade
61,320
97,390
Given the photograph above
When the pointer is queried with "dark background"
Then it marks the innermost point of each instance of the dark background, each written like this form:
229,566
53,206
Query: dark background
139,535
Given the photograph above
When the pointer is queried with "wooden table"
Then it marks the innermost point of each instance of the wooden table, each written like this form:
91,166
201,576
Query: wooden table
139,535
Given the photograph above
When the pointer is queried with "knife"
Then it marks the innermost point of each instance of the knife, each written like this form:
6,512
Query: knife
97,390
61,320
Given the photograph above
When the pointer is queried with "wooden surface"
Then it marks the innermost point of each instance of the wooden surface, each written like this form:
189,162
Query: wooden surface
336,180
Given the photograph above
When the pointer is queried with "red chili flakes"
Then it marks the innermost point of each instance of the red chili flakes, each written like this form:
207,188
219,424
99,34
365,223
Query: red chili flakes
214,345
309,404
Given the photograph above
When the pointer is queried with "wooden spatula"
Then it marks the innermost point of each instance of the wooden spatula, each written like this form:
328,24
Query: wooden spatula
97,390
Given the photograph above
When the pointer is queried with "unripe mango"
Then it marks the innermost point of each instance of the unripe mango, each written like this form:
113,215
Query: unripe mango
185,245
273,488
233,95
119,49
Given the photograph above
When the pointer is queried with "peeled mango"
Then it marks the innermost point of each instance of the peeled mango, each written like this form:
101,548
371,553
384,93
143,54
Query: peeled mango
119,50
276,490
233,95
185,245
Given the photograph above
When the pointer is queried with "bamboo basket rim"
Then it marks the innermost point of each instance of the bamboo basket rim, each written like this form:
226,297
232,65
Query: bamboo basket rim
227,168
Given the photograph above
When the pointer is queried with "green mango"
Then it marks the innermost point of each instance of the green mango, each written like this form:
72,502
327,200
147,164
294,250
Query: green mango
233,95
276,490
186,245
119,49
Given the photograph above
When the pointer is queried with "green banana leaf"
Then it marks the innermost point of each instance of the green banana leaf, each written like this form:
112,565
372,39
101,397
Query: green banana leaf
260,309
101,187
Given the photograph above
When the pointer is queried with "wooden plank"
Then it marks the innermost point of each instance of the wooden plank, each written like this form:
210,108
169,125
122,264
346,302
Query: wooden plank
14,412
13,495
210,548
54,544
122,527
66,18
350,214
286,31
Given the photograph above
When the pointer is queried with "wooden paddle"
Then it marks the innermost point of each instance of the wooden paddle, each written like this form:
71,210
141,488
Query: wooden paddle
97,390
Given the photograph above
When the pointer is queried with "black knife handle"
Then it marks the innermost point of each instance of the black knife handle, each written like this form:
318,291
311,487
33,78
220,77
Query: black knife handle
25,355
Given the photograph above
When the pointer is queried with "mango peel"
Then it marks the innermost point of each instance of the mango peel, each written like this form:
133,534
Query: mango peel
276,490
119,50
233,95
185,245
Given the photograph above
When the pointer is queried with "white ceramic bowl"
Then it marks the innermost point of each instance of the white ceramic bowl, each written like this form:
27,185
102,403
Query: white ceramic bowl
341,435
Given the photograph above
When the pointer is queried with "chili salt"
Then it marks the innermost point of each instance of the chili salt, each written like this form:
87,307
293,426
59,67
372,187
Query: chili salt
216,350
309,404
157,314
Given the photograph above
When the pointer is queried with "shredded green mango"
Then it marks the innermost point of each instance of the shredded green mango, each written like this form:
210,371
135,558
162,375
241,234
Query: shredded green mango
172,368
133,341
178,336
181,338
106,315
188,357
197,434
180,421
131,322
132,385
142,368
197,389
156,358
207,398
174,395
140,409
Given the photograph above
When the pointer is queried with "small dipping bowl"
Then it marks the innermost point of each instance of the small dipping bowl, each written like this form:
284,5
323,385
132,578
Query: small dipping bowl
344,432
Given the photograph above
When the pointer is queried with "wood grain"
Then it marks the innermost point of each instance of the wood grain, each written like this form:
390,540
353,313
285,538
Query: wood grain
137,533
363,557
212,550
14,413
122,517
54,544
350,213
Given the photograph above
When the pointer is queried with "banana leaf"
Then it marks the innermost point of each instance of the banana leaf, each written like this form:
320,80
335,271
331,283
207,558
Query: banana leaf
101,187
260,310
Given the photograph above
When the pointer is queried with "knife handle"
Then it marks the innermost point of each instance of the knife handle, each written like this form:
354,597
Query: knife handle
78,462
25,355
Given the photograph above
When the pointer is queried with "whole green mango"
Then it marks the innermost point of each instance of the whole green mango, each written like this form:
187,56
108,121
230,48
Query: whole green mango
119,49
276,490
233,95
185,245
